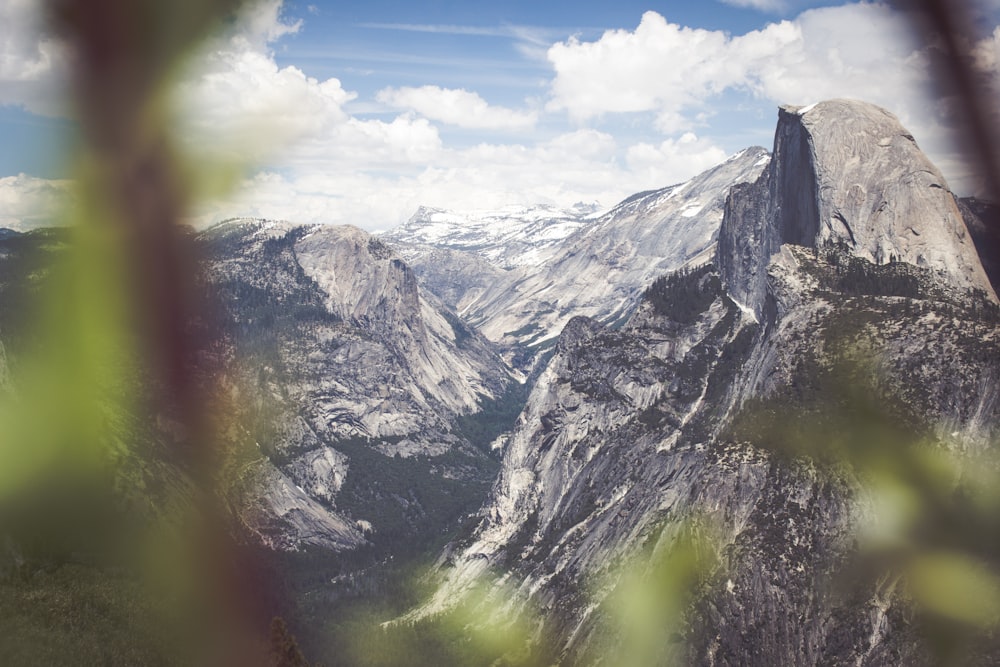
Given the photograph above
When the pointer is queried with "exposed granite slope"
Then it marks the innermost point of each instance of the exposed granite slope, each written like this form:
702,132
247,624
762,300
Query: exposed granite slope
847,172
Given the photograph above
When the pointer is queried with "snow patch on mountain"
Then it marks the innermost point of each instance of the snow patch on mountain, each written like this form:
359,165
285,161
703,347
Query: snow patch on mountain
508,237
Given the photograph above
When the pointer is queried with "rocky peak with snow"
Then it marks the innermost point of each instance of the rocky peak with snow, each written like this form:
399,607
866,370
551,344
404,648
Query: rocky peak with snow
846,172
598,271
508,237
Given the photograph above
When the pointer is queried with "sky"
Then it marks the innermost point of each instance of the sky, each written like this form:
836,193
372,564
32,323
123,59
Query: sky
359,113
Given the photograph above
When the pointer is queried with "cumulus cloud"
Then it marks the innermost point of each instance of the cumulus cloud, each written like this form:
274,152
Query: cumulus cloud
868,51
261,22
986,53
241,106
861,50
673,160
241,103
660,67
985,57
457,107
864,51
676,74
581,165
32,63
27,202
374,173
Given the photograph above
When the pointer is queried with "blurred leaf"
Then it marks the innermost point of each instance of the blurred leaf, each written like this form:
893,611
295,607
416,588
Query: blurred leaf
956,587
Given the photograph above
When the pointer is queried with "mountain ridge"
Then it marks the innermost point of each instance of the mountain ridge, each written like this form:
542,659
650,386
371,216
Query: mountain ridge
341,357
600,269
628,432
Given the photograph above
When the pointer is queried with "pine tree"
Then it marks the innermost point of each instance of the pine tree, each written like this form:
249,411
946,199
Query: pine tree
284,649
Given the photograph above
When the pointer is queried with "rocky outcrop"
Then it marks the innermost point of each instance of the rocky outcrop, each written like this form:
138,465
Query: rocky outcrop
342,356
600,269
982,218
630,433
846,172
458,278
376,357
366,284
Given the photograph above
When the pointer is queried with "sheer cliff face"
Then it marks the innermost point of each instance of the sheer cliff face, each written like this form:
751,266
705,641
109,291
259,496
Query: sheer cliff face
596,271
337,348
630,430
846,172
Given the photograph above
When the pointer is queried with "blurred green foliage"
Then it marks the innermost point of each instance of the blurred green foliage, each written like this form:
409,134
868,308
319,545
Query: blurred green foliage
111,552
108,440
646,615
929,536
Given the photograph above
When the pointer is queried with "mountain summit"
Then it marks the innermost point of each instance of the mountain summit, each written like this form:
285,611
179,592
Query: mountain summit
848,245
846,172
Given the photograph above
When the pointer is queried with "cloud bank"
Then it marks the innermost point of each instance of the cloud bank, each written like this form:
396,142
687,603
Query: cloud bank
32,64
631,110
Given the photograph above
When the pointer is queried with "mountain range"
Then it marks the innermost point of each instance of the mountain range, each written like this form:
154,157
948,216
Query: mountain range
598,267
844,269
529,398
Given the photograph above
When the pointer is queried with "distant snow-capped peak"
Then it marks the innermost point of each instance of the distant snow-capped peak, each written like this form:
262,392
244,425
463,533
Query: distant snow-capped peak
507,237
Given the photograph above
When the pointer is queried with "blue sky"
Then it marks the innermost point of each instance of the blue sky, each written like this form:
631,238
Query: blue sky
360,112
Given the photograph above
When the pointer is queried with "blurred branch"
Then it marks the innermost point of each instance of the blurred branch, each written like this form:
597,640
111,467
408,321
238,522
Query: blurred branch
133,178
949,24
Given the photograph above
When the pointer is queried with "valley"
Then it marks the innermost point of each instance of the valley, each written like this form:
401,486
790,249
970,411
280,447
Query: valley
481,418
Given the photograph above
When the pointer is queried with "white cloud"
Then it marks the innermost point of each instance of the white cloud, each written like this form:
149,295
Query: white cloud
373,144
337,168
673,160
868,52
582,165
32,64
585,143
520,33
243,105
865,51
375,173
237,103
457,107
660,67
261,23
676,74
986,53
861,50
27,202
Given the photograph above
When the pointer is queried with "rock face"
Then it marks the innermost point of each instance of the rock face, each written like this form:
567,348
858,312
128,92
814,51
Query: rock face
597,271
459,278
848,244
982,218
339,348
846,172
